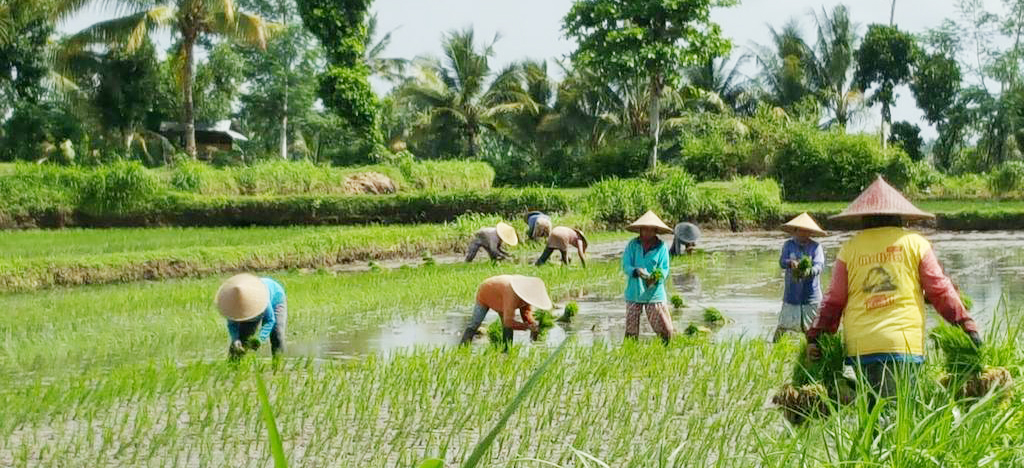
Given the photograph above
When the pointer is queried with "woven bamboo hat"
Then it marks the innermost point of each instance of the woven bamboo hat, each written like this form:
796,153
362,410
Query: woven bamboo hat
882,199
532,291
687,232
507,233
242,298
806,222
649,219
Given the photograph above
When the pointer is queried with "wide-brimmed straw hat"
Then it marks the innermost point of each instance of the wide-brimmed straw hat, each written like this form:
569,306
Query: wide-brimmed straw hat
532,291
882,199
687,232
649,219
507,233
242,297
805,222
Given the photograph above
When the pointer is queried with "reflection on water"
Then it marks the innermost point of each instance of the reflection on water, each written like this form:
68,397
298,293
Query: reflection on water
741,277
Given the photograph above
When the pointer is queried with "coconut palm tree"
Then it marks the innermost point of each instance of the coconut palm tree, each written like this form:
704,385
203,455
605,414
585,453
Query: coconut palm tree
462,88
721,85
832,65
389,69
783,77
191,20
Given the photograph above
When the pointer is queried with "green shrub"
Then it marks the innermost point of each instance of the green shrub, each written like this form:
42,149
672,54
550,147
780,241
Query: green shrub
196,177
1007,178
815,165
447,175
619,158
120,188
618,201
679,197
716,156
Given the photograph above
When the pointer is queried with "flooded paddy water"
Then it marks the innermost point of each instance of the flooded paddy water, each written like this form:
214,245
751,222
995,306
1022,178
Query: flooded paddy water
737,274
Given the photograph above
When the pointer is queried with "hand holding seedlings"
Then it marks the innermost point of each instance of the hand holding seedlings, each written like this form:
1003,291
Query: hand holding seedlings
813,352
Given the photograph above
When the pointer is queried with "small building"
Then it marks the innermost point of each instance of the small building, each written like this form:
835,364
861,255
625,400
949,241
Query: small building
216,137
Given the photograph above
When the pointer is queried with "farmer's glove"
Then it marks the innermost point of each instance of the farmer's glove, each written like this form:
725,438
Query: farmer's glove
252,343
813,351
975,338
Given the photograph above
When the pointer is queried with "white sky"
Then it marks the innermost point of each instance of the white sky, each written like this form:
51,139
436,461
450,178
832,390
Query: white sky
532,28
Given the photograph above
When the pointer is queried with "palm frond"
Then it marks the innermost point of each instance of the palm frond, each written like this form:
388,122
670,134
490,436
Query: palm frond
127,31
244,27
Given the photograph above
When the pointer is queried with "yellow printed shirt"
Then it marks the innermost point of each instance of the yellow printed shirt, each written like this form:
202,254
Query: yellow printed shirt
885,308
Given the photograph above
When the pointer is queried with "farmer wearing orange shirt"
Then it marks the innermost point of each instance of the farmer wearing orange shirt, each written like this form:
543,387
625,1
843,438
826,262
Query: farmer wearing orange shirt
506,294
879,283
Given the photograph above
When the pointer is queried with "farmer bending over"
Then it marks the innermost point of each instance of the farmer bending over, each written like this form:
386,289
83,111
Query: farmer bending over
256,309
645,263
684,238
802,293
537,225
560,239
876,291
492,239
505,294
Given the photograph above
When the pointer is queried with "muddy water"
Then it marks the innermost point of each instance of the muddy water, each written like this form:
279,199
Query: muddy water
738,274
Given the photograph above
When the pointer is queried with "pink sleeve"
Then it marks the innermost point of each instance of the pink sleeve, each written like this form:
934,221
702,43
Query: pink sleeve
942,294
832,306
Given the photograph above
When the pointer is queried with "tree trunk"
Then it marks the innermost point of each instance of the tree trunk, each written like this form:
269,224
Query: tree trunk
189,118
655,119
886,117
287,73
892,14
471,136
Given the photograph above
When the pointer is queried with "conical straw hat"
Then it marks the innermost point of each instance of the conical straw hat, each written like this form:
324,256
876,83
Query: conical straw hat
649,219
532,291
507,233
804,221
242,297
687,232
882,199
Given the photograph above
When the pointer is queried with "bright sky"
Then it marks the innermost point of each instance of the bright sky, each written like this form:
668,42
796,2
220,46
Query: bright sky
532,28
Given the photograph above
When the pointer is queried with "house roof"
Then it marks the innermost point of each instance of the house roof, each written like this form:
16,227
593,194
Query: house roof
223,126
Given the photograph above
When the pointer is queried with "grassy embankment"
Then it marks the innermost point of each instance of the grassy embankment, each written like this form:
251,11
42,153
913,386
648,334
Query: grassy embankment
134,374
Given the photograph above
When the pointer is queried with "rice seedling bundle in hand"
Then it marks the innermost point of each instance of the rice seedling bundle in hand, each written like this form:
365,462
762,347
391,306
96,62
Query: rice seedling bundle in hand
545,320
803,268
494,332
571,309
965,371
657,276
815,382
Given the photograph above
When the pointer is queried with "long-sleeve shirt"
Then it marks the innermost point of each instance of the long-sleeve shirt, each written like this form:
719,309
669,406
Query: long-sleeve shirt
537,224
636,258
496,293
806,290
489,239
936,287
269,316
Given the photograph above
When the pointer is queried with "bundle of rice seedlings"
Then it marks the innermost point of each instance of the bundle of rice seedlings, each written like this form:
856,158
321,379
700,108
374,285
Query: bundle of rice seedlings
545,319
657,276
815,383
428,259
677,301
803,268
693,329
494,333
571,309
965,371
713,315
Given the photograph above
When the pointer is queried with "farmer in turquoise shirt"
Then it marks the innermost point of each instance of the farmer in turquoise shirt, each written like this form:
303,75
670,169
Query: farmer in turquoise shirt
645,264
256,310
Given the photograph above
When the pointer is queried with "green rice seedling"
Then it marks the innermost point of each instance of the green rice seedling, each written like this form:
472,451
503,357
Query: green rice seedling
374,266
495,333
814,382
803,268
428,259
274,437
694,330
657,276
545,320
966,300
965,371
713,315
571,309
432,463
677,301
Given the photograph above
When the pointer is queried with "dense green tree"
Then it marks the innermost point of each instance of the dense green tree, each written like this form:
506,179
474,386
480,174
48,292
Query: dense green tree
192,21
621,39
885,58
462,90
908,136
341,27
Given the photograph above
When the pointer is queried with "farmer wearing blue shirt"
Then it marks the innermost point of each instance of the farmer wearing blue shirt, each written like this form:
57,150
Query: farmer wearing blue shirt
537,225
256,309
802,295
646,266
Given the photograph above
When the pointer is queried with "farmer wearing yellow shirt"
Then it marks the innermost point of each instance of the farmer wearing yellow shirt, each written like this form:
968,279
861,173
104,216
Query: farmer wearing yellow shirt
879,283
506,294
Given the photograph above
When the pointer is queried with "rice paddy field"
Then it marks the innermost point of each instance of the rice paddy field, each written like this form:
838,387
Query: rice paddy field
134,373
